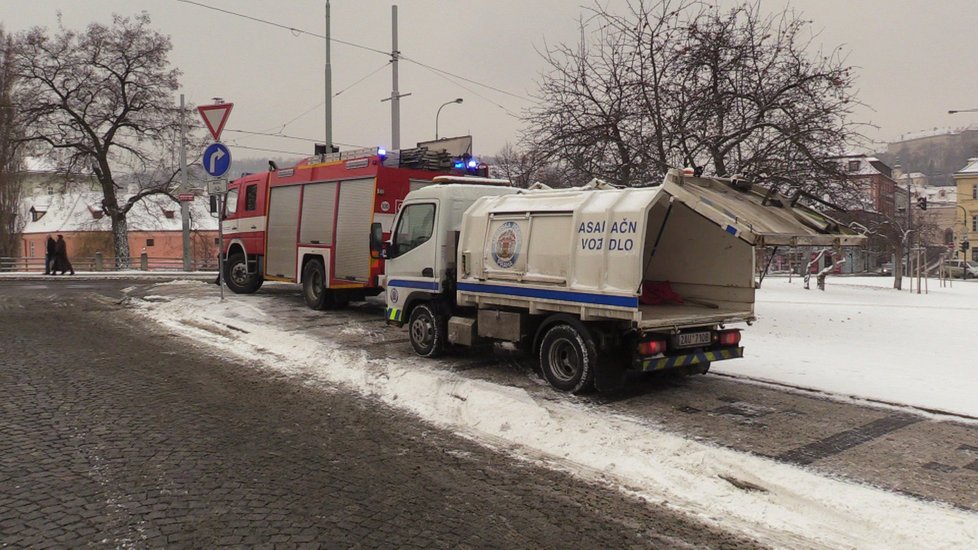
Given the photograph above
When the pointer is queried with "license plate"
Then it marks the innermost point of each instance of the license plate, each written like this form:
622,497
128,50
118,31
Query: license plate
692,339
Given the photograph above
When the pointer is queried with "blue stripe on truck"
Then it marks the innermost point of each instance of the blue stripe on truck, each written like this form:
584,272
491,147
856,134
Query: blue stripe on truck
563,295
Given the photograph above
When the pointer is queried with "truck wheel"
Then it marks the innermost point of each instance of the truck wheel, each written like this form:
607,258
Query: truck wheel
568,358
237,277
427,330
314,290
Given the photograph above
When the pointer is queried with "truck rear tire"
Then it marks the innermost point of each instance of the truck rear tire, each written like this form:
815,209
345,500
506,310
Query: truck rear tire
427,329
237,277
314,290
568,358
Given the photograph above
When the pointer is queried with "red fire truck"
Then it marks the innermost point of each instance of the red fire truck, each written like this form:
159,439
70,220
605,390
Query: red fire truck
310,224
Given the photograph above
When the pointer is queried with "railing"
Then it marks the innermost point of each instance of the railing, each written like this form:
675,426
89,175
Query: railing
100,263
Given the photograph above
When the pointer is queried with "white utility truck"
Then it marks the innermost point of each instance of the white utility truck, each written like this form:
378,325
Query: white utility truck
595,280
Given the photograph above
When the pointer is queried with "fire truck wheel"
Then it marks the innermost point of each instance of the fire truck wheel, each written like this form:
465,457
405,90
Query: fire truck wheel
237,277
314,289
427,329
568,358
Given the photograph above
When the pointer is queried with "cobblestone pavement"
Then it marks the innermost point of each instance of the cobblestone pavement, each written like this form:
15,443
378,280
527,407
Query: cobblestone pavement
895,449
114,435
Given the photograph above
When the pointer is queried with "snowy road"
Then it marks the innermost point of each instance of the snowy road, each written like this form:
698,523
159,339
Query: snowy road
699,445
114,433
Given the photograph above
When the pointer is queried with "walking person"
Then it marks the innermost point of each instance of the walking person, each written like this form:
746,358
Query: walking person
61,262
52,250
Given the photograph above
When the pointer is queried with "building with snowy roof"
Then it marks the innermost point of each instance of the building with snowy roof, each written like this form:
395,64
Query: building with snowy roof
155,227
875,180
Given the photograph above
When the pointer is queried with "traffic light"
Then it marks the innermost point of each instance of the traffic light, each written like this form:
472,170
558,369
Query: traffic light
965,245
922,203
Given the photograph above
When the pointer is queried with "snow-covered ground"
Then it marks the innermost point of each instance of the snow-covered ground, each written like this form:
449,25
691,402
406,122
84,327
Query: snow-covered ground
837,332
862,338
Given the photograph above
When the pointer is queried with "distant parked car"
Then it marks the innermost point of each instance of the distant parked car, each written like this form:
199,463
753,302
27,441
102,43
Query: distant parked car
886,269
962,268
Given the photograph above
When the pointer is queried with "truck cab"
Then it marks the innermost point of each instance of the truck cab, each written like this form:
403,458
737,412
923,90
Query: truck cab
421,253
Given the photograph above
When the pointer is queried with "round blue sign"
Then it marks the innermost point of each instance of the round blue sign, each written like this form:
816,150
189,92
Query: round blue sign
217,159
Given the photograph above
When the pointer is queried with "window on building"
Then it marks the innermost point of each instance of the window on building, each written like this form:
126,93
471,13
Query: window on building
948,236
150,242
50,190
168,214
974,191
217,240
30,247
853,165
974,223
251,197
36,214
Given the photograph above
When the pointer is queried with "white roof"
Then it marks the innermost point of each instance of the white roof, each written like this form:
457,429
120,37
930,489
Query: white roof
76,211
970,168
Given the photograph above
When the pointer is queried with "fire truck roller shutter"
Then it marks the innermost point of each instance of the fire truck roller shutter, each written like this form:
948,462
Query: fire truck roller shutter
318,209
353,219
283,221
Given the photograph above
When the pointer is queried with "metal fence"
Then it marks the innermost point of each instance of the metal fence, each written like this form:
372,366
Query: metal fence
142,262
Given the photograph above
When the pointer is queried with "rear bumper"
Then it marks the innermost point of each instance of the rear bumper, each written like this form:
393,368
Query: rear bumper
689,359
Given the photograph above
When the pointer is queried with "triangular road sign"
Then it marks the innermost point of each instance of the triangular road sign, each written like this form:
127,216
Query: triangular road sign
215,117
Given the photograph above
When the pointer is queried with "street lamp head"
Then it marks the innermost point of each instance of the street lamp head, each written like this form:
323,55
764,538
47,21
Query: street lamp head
437,114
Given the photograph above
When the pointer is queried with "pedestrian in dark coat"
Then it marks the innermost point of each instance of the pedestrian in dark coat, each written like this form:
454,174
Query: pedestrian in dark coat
61,262
52,250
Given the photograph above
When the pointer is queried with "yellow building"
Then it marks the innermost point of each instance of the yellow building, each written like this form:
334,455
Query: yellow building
967,208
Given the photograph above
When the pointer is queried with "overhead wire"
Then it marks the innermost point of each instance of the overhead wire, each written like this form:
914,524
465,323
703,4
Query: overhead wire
270,150
381,68
283,136
469,80
320,104
297,31
293,30
473,92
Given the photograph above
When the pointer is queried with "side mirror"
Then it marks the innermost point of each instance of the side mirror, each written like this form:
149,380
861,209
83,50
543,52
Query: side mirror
378,248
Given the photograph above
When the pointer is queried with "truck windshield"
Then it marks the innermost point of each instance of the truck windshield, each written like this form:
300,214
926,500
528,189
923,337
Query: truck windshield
231,203
414,227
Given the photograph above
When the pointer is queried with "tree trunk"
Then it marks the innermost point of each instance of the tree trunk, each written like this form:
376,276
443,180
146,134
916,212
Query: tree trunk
120,241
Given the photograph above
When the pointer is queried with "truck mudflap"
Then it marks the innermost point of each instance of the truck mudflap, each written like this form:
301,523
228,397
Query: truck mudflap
689,359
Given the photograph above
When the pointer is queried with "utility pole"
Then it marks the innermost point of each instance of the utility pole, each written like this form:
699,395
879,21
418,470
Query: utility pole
329,89
184,186
396,95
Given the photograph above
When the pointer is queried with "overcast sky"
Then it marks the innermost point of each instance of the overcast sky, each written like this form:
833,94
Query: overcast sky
915,59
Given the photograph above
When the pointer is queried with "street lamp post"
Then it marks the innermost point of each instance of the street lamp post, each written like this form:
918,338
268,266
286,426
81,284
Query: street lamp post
456,100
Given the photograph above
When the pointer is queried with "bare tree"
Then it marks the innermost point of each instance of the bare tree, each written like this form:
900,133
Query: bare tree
102,99
682,82
11,190
524,167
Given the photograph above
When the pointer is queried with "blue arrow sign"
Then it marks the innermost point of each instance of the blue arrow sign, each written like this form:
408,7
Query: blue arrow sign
217,159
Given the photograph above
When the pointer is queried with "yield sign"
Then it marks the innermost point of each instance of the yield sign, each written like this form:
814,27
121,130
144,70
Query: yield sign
215,117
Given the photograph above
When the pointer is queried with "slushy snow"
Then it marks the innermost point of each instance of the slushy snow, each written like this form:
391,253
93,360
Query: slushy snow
843,340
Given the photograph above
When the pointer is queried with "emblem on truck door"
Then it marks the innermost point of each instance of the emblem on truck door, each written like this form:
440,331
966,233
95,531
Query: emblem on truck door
506,245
